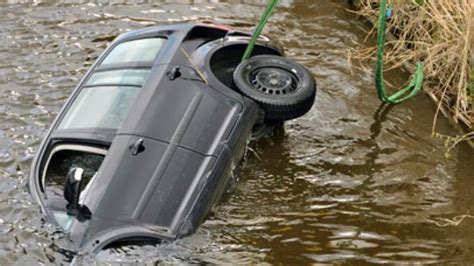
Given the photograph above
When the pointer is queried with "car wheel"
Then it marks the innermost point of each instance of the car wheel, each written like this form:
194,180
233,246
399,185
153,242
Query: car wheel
284,89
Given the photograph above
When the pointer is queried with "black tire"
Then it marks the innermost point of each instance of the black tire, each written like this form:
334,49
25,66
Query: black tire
284,89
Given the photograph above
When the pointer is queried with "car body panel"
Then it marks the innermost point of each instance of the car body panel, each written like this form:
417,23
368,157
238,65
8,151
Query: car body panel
172,156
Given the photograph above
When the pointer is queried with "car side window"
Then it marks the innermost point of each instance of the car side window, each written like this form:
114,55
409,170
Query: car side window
142,50
99,107
130,77
107,96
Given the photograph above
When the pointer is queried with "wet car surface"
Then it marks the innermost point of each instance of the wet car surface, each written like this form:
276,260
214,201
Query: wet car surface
148,141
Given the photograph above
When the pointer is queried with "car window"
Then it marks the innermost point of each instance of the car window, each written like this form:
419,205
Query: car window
99,107
62,159
65,157
142,50
134,77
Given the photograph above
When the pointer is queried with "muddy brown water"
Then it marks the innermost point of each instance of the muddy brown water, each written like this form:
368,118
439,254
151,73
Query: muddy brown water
347,183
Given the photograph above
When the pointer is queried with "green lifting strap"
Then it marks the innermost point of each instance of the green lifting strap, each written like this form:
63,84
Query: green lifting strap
416,83
261,24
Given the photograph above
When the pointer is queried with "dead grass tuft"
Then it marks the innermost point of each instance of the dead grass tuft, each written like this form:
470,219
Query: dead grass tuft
439,33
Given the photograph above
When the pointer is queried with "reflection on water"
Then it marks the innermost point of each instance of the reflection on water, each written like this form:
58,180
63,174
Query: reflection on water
352,181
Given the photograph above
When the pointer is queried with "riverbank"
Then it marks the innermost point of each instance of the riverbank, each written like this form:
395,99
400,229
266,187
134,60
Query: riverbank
438,33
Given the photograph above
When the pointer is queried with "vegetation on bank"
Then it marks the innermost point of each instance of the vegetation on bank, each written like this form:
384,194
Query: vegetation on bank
440,34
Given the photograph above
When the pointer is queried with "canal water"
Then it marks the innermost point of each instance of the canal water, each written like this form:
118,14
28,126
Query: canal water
350,182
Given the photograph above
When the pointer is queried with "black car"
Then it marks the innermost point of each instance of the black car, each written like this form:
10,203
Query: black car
146,144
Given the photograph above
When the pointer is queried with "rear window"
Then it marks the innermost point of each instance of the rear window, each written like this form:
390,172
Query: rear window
100,107
143,50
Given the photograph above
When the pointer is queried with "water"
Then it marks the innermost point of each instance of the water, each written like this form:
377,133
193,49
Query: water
345,183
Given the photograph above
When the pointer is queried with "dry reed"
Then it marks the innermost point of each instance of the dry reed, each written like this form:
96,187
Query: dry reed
440,34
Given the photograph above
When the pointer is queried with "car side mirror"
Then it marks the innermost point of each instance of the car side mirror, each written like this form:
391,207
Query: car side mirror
72,190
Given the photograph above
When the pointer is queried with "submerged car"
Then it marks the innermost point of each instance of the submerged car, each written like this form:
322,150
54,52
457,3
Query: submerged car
145,146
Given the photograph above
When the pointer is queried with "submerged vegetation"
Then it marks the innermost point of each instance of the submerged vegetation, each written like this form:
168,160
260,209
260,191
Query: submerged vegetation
440,34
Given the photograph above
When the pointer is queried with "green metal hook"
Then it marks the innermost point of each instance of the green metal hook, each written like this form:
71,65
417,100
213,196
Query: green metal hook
416,83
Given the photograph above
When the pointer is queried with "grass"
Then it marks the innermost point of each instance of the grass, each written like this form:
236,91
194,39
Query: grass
440,34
